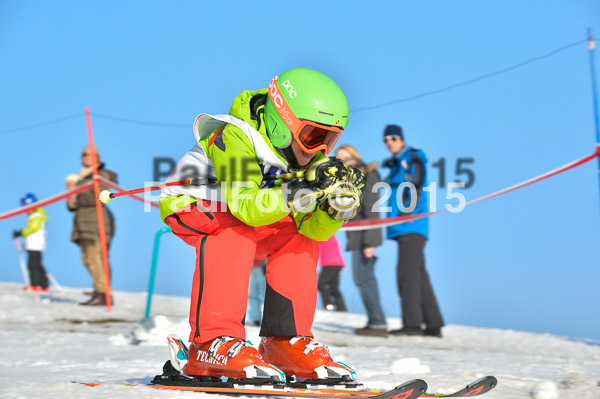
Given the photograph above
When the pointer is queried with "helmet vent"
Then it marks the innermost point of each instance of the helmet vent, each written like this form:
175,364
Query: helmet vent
325,113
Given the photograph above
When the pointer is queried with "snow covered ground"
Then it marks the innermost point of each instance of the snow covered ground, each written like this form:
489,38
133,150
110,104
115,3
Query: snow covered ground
48,341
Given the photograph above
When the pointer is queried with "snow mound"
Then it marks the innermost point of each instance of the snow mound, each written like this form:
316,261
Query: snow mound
545,389
154,330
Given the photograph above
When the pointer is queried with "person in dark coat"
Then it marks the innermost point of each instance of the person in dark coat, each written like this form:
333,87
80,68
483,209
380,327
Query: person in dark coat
419,304
363,244
85,231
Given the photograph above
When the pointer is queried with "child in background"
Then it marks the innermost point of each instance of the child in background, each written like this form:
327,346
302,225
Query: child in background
35,244
332,261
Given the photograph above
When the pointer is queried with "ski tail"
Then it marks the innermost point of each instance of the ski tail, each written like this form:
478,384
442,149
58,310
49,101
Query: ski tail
178,352
475,388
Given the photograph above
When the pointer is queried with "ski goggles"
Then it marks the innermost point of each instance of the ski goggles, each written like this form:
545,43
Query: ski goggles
311,136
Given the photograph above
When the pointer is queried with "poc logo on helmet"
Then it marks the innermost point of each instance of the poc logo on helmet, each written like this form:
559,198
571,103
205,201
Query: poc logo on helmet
277,99
278,102
289,88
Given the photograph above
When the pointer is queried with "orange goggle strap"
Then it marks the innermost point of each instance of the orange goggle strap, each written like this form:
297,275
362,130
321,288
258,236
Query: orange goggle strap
294,124
284,111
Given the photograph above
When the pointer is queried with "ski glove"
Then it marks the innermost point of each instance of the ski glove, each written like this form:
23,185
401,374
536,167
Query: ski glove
344,202
356,178
17,233
320,180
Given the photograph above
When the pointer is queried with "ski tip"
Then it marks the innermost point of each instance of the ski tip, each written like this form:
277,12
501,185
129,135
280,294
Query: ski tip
409,390
481,386
87,384
492,380
476,388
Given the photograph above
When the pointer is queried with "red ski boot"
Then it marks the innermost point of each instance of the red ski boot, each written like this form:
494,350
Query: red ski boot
227,357
303,357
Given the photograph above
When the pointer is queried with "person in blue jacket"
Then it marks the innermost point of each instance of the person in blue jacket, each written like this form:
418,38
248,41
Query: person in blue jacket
419,305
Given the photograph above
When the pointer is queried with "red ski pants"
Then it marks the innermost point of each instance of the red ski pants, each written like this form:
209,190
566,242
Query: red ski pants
226,248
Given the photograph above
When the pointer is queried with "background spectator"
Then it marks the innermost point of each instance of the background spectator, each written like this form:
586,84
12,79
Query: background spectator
35,244
363,244
419,305
85,231
332,261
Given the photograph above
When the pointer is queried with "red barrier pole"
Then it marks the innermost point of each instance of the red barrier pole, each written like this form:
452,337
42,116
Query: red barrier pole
99,211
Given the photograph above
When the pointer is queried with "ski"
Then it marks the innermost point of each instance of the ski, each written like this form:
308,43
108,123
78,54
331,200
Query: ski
475,388
408,390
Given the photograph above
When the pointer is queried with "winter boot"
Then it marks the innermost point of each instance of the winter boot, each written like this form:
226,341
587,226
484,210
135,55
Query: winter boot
372,331
98,299
433,332
303,357
222,357
408,331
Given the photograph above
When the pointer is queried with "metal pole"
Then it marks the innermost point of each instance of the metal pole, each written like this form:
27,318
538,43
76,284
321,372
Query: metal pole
591,47
22,262
159,233
55,283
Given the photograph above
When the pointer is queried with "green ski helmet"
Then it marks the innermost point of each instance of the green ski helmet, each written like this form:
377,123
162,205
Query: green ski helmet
306,107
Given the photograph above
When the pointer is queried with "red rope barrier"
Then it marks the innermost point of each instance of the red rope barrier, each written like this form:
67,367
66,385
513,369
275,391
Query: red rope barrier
46,201
377,223
121,189
351,226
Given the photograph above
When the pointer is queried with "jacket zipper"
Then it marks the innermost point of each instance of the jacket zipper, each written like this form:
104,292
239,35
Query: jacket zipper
180,222
202,209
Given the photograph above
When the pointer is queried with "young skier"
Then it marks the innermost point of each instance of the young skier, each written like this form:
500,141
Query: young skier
35,244
286,128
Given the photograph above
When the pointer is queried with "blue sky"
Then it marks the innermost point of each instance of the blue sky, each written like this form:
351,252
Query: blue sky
527,260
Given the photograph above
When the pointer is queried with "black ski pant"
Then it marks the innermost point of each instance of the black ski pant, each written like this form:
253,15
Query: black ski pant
419,305
37,273
329,281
